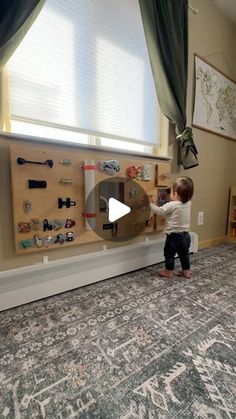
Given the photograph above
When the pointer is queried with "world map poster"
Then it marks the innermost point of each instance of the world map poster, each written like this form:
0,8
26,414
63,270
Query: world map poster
215,100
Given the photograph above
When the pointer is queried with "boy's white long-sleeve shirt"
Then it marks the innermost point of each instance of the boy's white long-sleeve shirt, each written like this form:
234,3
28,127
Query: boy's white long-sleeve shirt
176,214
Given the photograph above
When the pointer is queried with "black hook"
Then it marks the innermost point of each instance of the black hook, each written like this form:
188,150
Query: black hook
22,161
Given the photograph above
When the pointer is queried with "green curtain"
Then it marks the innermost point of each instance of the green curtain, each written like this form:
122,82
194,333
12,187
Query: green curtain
16,17
166,30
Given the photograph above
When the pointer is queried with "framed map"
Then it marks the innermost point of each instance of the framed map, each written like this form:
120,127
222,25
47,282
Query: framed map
215,100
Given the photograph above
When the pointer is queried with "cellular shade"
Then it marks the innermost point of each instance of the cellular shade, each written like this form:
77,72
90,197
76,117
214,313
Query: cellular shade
84,66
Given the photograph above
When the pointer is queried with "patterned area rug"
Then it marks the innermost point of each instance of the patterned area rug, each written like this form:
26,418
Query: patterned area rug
135,346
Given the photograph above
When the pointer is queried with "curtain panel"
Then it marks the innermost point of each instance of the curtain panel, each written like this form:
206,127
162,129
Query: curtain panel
166,30
16,17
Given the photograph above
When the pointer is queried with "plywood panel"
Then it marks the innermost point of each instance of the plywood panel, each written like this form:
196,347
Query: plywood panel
45,201
163,174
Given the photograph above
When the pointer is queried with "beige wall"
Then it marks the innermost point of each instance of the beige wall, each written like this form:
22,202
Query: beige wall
213,37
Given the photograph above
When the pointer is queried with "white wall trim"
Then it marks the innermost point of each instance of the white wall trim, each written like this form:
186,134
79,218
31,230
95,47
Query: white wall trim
30,283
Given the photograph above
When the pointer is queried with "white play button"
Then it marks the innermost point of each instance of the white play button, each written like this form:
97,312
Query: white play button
116,210
109,217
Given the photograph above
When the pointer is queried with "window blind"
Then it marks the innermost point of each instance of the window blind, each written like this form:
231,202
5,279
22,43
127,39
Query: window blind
84,66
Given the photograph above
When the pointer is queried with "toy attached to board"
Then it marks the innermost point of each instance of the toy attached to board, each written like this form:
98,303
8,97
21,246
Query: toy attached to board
109,167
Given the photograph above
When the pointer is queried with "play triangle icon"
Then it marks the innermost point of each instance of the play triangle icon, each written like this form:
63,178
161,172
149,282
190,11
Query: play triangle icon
116,210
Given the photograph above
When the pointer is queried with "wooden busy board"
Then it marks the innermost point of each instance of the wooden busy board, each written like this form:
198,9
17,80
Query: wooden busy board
39,223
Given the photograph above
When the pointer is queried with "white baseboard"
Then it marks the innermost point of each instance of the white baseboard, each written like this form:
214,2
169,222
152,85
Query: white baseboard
23,285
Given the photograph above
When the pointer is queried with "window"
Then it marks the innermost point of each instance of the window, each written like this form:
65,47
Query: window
82,74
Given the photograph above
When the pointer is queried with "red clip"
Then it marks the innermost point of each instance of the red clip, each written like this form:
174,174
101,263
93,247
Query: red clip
89,215
89,167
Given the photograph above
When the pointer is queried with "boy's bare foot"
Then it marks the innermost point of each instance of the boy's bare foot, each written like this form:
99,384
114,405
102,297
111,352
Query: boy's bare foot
166,273
187,273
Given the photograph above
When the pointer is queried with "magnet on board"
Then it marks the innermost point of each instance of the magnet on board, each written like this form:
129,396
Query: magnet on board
70,236
23,227
48,240
46,225
69,223
60,239
25,244
38,241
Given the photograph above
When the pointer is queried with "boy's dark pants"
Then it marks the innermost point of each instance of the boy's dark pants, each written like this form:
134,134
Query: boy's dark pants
177,243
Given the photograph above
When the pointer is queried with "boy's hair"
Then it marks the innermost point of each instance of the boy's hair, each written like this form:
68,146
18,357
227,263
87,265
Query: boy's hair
183,186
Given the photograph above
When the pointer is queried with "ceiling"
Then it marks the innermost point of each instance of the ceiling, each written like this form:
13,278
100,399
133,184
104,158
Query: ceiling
228,7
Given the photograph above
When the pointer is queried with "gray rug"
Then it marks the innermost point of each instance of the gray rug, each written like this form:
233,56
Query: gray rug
135,346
